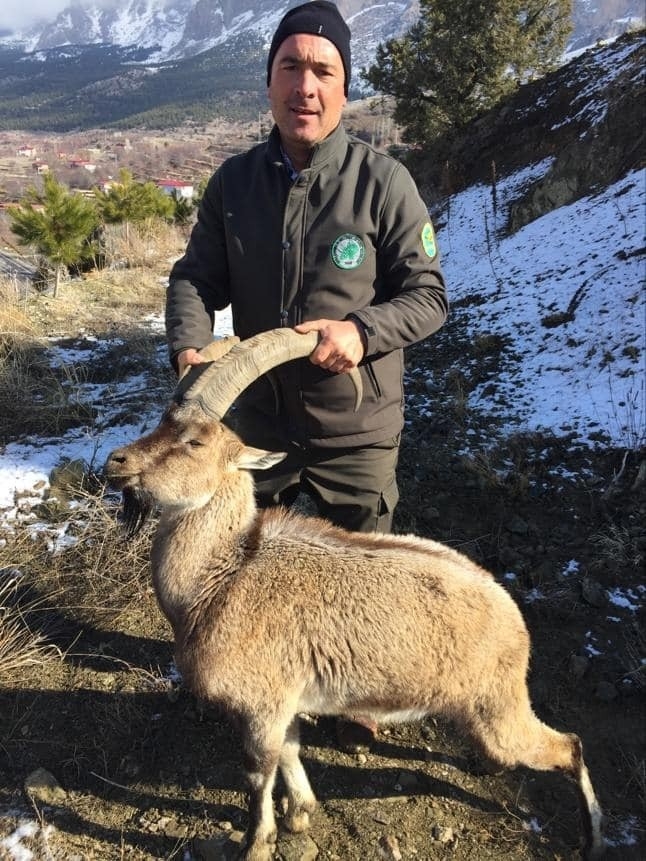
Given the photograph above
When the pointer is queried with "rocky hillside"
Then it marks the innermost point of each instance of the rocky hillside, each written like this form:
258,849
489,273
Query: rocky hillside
586,118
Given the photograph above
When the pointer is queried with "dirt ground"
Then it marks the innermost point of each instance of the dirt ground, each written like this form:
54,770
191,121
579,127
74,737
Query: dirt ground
133,767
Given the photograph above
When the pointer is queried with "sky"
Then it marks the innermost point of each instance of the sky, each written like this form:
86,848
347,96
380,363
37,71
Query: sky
17,13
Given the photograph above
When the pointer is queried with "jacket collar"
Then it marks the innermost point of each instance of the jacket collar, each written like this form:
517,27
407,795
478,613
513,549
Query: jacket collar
332,146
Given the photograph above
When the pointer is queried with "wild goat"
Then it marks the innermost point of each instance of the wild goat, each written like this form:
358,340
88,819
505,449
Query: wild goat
275,613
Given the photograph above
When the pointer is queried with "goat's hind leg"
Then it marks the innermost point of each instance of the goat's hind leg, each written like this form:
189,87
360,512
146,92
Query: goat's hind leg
300,798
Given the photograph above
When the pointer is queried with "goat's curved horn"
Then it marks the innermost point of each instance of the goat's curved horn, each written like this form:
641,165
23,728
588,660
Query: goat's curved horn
214,351
216,385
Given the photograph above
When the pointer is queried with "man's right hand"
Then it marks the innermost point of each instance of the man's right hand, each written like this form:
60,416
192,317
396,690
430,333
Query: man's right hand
187,358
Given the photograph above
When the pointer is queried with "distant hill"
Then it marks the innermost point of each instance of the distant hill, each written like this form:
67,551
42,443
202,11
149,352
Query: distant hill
86,86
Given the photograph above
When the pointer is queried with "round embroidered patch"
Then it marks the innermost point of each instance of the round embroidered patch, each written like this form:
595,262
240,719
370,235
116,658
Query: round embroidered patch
428,240
348,251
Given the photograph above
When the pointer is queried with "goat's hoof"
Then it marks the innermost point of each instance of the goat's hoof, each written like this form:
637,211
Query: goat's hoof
260,848
258,852
297,820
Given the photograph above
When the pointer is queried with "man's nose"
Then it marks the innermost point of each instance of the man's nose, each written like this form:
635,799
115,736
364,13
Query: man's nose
305,82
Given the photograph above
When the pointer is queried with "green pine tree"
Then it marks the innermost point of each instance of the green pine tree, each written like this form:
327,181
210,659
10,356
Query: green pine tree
462,58
129,202
183,208
59,224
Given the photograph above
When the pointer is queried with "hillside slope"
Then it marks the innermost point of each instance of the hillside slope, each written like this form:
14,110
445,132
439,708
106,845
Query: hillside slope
587,118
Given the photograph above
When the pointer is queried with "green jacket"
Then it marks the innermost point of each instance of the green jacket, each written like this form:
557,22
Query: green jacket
350,236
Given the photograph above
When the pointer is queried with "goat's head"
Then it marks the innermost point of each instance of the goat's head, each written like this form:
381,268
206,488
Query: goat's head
186,458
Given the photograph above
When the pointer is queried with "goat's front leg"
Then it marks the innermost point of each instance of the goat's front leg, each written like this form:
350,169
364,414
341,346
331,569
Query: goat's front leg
261,762
300,798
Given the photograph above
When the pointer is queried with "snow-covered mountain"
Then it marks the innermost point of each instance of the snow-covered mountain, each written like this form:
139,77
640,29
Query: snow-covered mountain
182,28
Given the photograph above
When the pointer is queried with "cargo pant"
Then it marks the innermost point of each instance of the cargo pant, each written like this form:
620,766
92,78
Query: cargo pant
355,488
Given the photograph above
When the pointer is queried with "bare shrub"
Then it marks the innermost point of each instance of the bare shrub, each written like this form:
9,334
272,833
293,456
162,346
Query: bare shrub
99,567
93,577
616,548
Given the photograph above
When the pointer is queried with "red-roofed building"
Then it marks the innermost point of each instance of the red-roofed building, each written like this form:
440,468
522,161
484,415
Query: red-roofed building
81,162
176,186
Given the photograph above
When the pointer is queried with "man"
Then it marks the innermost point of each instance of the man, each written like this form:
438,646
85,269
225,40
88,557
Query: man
318,231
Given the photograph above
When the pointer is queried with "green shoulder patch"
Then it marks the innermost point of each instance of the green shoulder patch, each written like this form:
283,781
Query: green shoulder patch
428,240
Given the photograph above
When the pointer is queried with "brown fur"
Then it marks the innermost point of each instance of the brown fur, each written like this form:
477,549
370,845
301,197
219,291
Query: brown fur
274,614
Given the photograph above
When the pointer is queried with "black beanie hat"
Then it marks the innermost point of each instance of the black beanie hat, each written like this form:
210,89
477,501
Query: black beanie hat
320,18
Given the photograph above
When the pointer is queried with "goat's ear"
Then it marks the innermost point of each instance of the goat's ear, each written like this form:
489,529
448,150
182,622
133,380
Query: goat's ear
257,458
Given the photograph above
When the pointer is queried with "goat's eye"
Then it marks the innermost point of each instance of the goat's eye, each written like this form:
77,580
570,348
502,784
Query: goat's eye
195,443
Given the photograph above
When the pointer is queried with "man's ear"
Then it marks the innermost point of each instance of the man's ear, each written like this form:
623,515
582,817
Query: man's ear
257,458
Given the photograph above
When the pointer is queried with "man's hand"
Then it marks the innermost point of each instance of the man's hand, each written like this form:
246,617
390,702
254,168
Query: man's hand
340,347
187,358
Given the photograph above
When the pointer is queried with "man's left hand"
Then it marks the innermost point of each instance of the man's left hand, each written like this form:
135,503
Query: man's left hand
340,347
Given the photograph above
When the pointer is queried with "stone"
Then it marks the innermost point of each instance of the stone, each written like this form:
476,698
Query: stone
389,848
42,786
298,847
606,692
69,477
443,834
578,665
593,593
220,847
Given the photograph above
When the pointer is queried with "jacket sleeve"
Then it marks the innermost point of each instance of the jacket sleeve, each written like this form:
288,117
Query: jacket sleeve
411,301
199,283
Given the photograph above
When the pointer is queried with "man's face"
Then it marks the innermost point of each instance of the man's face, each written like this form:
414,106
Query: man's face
306,92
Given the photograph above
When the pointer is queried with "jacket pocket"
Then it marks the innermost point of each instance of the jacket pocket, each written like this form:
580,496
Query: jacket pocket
372,378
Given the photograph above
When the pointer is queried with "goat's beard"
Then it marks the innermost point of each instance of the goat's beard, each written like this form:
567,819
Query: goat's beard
137,506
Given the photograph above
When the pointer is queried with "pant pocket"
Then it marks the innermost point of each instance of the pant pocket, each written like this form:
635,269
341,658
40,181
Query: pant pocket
389,500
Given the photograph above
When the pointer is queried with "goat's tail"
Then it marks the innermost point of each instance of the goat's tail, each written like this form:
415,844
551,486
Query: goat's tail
512,735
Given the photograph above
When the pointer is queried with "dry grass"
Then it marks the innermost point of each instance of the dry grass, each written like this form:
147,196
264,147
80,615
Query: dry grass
33,396
150,243
15,321
49,595
100,573
22,645
37,398
101,302
112,569
617,549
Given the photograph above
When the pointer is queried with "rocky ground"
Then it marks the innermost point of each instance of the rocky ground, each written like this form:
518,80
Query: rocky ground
104,755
